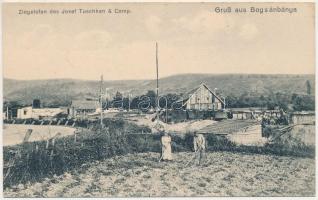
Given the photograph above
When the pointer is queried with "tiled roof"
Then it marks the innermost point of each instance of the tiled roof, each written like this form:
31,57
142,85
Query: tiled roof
187,95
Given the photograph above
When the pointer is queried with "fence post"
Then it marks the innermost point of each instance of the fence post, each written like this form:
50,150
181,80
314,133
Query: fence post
27,135
75,136
51,158
47,143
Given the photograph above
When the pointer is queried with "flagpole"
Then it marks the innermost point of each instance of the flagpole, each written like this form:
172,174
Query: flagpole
157,88
101,101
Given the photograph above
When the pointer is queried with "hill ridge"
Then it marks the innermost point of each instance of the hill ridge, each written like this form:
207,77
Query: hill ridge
51,90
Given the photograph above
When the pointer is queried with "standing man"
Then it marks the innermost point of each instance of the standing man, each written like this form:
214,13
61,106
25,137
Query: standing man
199,145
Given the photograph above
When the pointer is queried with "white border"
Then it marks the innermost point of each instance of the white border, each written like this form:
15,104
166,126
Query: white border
155,1
139,1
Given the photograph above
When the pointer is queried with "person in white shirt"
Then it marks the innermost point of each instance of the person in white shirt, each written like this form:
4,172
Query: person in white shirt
166,153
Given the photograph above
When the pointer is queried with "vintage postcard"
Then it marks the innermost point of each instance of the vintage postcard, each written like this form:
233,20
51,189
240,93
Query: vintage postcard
158,99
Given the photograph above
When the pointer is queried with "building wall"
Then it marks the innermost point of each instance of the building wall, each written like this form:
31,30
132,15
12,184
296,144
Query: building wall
239,115
29,112
245,114
24,113
306,134
203,99
302,118
252,136
81,113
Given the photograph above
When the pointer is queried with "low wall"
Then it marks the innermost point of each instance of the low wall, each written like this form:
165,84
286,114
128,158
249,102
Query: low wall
252,136
298,118
305,133
184,115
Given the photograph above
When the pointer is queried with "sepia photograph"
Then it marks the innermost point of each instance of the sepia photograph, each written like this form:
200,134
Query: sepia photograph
180,99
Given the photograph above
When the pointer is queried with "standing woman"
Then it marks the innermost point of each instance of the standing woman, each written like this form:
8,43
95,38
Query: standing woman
166,153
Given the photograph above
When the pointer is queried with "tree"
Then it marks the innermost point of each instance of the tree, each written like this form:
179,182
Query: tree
231,101
169,101
134,102
126,103
308,85
304,103
152,96
118,96
117,100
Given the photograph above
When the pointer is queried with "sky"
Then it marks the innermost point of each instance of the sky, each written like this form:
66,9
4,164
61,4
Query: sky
192,38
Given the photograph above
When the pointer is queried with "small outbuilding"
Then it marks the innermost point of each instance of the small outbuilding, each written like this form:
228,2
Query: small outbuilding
82,108
304,117
38,113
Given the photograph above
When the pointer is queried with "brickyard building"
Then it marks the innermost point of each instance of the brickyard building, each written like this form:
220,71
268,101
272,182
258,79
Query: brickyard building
202,98
83,108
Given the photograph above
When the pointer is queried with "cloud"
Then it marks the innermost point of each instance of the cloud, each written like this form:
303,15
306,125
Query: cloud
92,40
135,60
205,22
153,24
248,31
39,37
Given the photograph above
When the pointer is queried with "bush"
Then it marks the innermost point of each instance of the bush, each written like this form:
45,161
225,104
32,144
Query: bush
215,142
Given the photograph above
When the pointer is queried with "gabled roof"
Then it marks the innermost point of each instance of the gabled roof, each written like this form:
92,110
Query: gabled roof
85,104
189,94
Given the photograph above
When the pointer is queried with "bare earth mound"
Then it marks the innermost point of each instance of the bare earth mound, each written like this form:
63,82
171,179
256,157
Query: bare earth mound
222,174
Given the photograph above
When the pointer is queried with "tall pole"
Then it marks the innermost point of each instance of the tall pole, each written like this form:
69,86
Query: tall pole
128,101
215,89
101,100
157,88
7,112
106,100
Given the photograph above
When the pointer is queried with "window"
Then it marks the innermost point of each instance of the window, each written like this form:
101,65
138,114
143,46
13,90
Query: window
25,112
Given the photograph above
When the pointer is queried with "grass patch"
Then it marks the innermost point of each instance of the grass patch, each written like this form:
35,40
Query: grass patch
33,161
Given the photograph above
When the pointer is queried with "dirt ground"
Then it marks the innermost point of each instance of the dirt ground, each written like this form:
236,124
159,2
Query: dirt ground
140,175
181,127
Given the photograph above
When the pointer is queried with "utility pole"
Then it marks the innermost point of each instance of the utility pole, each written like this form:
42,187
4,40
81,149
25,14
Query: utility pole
215,89
129,101
157,88
101,100
106,96
7,113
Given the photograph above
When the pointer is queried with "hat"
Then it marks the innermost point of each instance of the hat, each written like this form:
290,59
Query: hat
159,127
